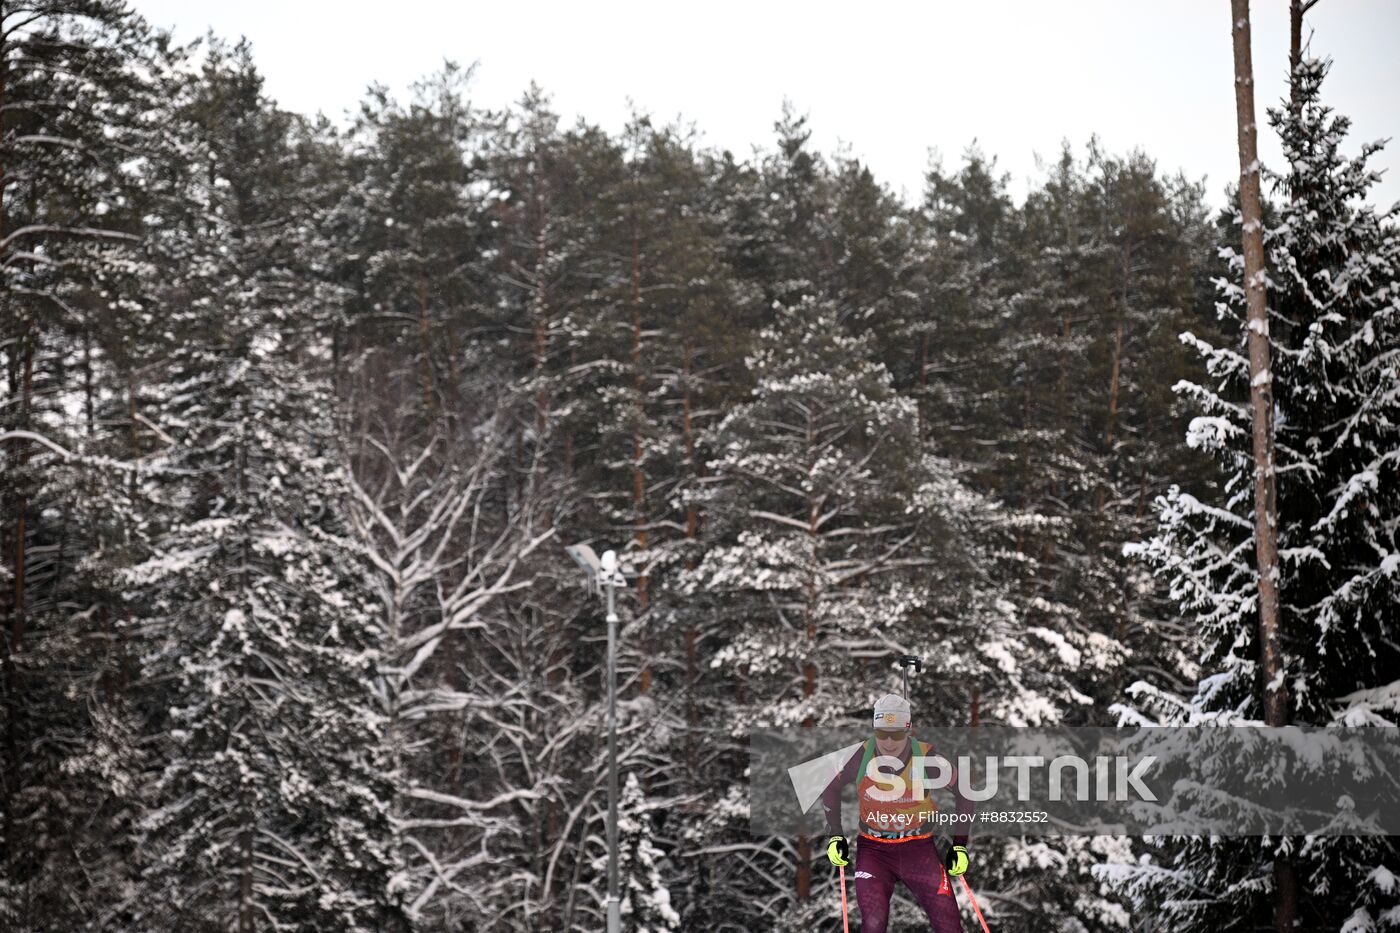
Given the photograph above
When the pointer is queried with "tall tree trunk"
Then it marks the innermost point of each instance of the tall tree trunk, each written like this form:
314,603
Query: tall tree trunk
25,340
133,439
1261,380
22,504
1275,696
245,877
8,776
1115,378
923,383
539,301
541,396
639,477
809,665
1285,875
692,531
426,341
1296,10
89,389
804,867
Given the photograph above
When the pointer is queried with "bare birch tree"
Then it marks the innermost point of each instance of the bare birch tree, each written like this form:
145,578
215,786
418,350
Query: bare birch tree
1275,694
440,554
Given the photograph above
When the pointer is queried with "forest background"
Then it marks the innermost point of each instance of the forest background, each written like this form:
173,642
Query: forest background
298,417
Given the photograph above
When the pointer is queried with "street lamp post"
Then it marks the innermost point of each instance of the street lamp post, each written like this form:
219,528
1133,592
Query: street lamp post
614,906
605,576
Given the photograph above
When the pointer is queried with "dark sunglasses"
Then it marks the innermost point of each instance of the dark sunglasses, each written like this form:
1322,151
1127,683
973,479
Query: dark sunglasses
890,735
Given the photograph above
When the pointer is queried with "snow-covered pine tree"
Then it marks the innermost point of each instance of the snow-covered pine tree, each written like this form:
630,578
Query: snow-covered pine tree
788,253
806,472
270,808
1143,234
1334,329
967,226
542,261
801,469
663,346
838,543
416,233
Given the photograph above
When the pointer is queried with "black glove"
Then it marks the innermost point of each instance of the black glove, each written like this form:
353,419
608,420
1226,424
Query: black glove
838,851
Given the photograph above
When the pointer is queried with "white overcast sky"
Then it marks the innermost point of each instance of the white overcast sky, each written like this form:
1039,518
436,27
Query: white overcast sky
892,81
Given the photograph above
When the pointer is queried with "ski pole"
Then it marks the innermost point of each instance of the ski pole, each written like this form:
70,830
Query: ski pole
845,917
905,662
975,909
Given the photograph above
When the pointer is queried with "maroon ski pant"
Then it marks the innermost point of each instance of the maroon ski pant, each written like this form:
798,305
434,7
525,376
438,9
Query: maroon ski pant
918,864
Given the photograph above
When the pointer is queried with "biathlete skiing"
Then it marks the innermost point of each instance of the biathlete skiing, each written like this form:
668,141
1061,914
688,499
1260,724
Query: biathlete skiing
896,836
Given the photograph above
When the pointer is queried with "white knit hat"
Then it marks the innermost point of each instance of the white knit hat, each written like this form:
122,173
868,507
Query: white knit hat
892,712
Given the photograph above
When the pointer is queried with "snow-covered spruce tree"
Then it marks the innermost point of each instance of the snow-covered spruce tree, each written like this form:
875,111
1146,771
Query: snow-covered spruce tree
646,901
77,91
270,808
1334,329
1336,282
1336,278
